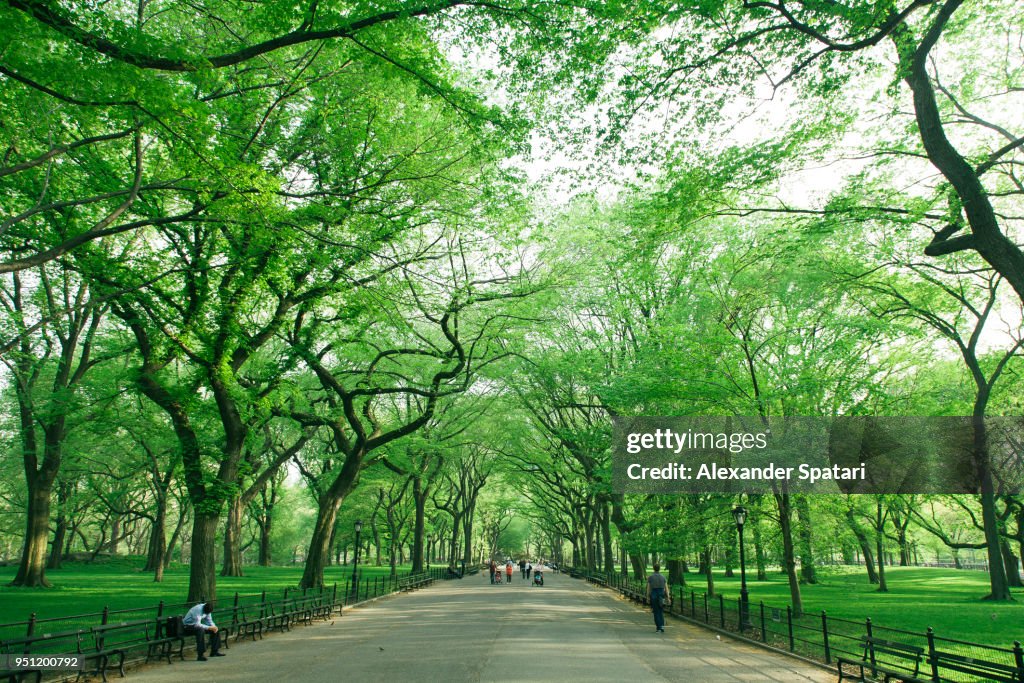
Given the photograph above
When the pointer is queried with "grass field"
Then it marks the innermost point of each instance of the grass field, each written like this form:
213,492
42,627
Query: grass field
947,600
81,588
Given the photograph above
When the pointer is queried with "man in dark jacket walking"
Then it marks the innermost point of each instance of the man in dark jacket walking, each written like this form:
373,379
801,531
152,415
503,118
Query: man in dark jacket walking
657,590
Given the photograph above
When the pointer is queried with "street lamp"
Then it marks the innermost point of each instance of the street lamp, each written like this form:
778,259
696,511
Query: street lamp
740,514
355,563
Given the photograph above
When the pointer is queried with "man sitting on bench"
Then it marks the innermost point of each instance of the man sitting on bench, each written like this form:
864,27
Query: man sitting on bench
198,621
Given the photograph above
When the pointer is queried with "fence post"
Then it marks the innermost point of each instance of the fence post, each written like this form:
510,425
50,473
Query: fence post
935,664
707,614
348,589
764,631
106,615
334,596
824,636
789,622
870,648
1018,656
721,610
286,592
160,610
693,604
31,625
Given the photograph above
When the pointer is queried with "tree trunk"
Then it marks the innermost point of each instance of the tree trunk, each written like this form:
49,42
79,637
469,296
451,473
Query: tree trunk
202,584
879,549
803,513
865,545
59,536
1010,566
759,554
419,495
606,537
319,544
675,573
32,568
157,542
709,575
639,566
265,547
232,539
788,552
467,526
990,520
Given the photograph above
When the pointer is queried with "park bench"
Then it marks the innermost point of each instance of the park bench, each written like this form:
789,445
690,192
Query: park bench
303,610
276,615
983,669
242,626
902,661
42,644
119,639
408,583
321,606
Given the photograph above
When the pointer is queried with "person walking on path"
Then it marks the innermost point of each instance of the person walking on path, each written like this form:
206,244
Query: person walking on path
198,621
508,572
657,590
522,568
529,570
494,570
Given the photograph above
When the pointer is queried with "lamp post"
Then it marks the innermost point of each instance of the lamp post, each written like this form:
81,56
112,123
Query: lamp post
355,563
740,514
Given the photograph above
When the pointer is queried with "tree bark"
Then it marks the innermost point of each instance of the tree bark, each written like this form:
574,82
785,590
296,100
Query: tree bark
32,568
202,584
803,512
419,496
232,540
785,507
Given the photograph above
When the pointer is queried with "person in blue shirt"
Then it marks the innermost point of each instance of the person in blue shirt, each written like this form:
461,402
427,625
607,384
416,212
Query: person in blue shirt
199,621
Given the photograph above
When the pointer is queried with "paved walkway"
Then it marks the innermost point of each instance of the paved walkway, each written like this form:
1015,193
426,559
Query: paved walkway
469,630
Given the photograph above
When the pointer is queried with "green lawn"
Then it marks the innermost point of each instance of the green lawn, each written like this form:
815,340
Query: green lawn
947,600
81,588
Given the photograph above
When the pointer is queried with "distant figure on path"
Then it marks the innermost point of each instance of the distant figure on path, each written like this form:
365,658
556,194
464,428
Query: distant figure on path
508,572
522,567
657,589
529,570
198,621
494,570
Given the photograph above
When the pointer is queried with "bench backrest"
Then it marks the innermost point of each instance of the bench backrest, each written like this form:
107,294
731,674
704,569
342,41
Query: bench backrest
123,634
1004,673
63,642
882,652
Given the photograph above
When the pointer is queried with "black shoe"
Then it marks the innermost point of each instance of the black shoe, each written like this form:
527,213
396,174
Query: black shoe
200,658
217,654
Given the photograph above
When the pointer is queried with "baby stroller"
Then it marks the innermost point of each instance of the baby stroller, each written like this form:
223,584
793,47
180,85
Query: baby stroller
538,579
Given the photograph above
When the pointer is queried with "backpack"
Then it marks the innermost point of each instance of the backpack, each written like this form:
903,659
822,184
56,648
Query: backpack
174,627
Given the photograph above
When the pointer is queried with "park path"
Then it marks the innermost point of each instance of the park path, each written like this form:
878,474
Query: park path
469,630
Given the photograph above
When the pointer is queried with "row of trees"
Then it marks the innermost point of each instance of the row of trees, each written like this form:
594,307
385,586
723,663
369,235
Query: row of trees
294,235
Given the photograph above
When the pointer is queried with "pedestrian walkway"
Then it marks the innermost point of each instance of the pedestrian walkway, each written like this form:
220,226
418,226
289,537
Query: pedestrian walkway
469,630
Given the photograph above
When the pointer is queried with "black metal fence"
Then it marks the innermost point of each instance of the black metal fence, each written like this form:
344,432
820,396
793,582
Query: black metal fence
822,637
33,634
